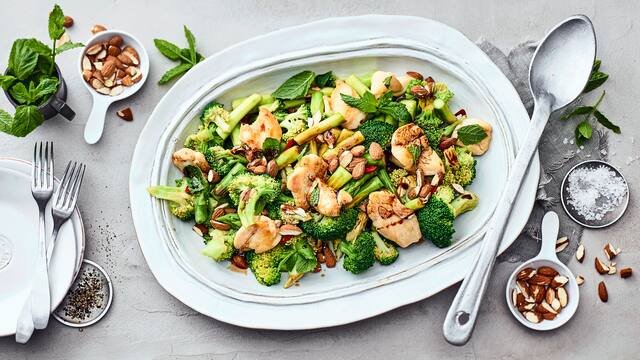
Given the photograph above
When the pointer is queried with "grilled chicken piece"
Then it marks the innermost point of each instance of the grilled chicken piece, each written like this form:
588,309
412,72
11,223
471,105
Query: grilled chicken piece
481,147
306,171
402,231
261,236
378,86
265,126
327,199
185,157
412,135
352,116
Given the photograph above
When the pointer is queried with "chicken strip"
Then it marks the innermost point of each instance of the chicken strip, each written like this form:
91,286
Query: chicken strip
265,126
352,116
261,236
327,199
185,157
301,179
403,231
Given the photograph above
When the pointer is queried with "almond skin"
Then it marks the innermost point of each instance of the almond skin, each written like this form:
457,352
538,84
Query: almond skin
547,271
602,292
601,268
626,272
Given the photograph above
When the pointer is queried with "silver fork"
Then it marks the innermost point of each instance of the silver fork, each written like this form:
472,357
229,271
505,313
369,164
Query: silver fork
65,199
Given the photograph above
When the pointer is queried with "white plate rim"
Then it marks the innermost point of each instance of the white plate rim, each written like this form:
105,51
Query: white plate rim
80,241
186,293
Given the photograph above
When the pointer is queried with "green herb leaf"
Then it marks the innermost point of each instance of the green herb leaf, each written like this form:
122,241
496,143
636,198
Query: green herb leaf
6,121
174,73
20,93
367,103
415,151
471,134
326,79
583,132
595,80
387,82
296,86
314,198
23,60
46,87
186,54
6,81
37,46
596,65
167,49
191,40
605,122
271,147
26,119
68,46
395,109
581,110
56,23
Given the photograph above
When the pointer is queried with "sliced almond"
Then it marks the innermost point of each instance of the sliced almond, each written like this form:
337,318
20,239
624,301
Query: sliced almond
220,225
555,304
563,296
126,81
559,280
94,49
97,84
537,292
116,90
98,65
132,59
612,269
345,158
65,38
538,279
610,251
291,230
550,295
532,317
458,188
579,280
548,308
344,197
526,273
127,114
137,77
547,271
104,90
562,244
101,55
514,297
580,253
86,75
601,268
86,64
549,316
199,229
524,287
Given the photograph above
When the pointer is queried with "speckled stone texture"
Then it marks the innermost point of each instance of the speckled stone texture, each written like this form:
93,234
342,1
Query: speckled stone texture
146,322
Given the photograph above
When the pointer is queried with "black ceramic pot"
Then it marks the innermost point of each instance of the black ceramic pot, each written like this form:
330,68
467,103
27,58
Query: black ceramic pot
56,103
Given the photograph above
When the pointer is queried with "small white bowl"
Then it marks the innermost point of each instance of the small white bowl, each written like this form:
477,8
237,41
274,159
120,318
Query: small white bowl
95,122
547,257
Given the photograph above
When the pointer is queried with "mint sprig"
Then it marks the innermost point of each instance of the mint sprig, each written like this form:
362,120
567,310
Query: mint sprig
367,103
188,57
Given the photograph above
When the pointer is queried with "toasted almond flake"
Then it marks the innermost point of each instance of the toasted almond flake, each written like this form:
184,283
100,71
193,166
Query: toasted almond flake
197,230
601,268
579,280
514,296
555,304
610,251
580,253
458,188
562,240
563,296
531,317
288,229
561,247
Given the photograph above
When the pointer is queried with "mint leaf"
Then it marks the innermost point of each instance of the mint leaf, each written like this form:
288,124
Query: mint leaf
367,103
174,73
396,110
583,132
326,79
415,151
167,49
46,87
26,119
68,46
471,134
6,121
605,122
37,46
595,80
296,86
191,40
56,23
596,65
23,61
314,197
581,110
186,54
387,81
20,94
6,81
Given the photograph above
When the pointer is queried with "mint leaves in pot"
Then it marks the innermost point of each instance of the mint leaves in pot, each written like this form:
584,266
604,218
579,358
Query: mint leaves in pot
188,57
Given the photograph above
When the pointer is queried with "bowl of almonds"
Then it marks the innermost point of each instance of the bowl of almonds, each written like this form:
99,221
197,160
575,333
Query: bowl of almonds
542,293
114,66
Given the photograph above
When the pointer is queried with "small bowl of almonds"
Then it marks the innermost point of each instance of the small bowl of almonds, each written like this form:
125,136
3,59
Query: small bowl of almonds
542,293
114,66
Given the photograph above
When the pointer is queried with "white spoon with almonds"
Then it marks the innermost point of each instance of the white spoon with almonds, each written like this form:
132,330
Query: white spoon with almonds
112,80
542,293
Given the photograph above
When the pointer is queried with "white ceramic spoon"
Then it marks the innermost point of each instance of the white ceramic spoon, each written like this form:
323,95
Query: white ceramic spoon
547,257
95,123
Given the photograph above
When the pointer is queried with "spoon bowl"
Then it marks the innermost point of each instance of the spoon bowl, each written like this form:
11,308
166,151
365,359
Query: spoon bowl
547,257
95,123
563,76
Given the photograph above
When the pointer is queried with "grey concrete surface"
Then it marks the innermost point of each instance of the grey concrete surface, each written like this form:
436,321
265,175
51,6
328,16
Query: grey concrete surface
147,323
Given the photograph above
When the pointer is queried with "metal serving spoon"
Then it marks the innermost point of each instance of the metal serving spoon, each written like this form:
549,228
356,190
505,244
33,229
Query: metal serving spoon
558,73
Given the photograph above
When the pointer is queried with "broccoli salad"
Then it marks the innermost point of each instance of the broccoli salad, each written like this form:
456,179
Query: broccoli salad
327,169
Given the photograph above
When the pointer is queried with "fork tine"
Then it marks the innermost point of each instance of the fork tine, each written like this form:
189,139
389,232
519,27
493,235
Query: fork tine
39,165
33,165
57,195
50,167
76,187
64,187
72,186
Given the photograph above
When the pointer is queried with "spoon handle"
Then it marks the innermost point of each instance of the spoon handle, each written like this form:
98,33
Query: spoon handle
461,317
550,228
95,123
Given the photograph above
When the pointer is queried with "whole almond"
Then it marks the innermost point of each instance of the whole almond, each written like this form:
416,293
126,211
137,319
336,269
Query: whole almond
125,59
113,50
549,316
358,150
538,279
86,75
602,292
272,168
108,68
97,28
329,257
238,261
580,253
68,21
345,158
547,271
220,225
626,272
115,40
333,164
358,171
375,151
94,49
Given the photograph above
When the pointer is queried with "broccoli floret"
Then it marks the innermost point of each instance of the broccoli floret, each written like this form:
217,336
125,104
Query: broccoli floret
210,111
430,124
363,219
460,166
222,160
251,193
265,266
397,175
359,255
203,139
407,91
436,218
445,193
223,186
377,131
296,215
181,203
385,252
441,91
295,123
328,228
220,246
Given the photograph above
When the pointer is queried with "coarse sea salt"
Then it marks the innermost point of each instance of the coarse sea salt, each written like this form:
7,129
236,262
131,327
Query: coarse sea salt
594,192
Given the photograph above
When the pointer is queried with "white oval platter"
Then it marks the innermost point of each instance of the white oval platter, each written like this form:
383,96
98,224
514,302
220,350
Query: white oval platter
344,45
